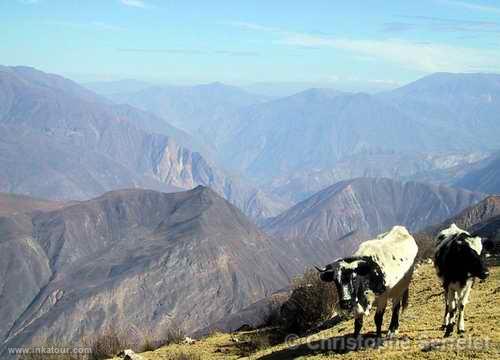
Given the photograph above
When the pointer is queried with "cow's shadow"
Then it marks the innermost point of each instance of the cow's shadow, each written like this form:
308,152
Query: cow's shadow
335,345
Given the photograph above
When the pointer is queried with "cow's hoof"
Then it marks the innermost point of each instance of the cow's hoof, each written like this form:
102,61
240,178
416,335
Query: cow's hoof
449,330
461,332
443,327
392,334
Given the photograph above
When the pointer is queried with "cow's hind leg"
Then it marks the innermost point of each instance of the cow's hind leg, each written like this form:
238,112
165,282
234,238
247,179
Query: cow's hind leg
446,317
463,300
394,325
452,310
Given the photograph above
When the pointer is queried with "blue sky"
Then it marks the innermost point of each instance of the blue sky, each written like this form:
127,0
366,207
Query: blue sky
240,42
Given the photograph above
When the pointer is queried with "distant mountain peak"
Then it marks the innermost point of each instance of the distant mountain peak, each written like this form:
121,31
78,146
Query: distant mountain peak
319,93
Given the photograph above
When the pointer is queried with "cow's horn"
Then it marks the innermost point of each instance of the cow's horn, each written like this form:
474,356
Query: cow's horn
319,269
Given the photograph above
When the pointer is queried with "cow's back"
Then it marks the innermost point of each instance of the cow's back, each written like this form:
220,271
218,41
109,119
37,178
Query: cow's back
395,253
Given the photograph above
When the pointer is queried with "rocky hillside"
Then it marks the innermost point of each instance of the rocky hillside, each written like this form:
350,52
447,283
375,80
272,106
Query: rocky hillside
332,223
483,176
482,219
61,141
131,259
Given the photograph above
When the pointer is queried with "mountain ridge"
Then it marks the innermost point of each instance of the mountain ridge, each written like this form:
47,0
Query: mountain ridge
121,260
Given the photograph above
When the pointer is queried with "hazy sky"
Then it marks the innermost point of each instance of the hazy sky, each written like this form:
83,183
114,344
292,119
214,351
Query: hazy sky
241,41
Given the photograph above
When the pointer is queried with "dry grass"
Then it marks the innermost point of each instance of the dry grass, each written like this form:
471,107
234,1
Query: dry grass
420,334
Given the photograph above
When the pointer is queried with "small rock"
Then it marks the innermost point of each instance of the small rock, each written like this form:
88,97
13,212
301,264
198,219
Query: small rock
235,340
188,340
129,355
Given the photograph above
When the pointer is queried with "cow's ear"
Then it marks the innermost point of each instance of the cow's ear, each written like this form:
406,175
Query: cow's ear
363,268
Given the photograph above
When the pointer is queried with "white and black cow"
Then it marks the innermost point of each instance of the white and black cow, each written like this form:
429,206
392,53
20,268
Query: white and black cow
381,269
459,258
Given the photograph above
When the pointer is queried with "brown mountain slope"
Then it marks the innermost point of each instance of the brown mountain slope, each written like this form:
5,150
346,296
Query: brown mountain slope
133,258
334,221
481,219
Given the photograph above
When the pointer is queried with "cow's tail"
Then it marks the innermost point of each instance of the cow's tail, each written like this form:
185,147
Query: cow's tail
405,299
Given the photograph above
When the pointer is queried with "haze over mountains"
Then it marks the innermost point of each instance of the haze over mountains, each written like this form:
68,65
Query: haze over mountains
61,141
296,145
205,110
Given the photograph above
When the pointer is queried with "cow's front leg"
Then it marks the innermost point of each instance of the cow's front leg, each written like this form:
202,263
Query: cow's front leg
394,325
379,319
451,307
358,325
379,315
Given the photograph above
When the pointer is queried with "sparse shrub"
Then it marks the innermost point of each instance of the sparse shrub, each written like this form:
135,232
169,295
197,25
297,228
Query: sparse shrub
107,345
312,301
272,318
173,335
150,344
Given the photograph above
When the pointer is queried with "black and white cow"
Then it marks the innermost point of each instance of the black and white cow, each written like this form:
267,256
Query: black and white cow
459,258
381,269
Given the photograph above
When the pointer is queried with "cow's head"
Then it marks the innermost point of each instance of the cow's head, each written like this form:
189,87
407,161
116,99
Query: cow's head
470,250
357,279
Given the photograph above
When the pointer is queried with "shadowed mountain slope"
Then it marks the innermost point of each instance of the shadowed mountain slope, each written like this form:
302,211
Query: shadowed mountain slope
484,176
133,259
333,222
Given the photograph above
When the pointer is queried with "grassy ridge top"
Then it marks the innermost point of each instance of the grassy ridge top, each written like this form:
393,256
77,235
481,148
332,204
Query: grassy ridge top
419,337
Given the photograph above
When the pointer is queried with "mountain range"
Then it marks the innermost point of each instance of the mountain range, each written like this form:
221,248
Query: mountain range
61,141
205,111
333,222
129,259
295,145
152,203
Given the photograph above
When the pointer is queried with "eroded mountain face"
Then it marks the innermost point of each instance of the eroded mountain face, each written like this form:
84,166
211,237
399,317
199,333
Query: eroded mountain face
133,258
332,223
